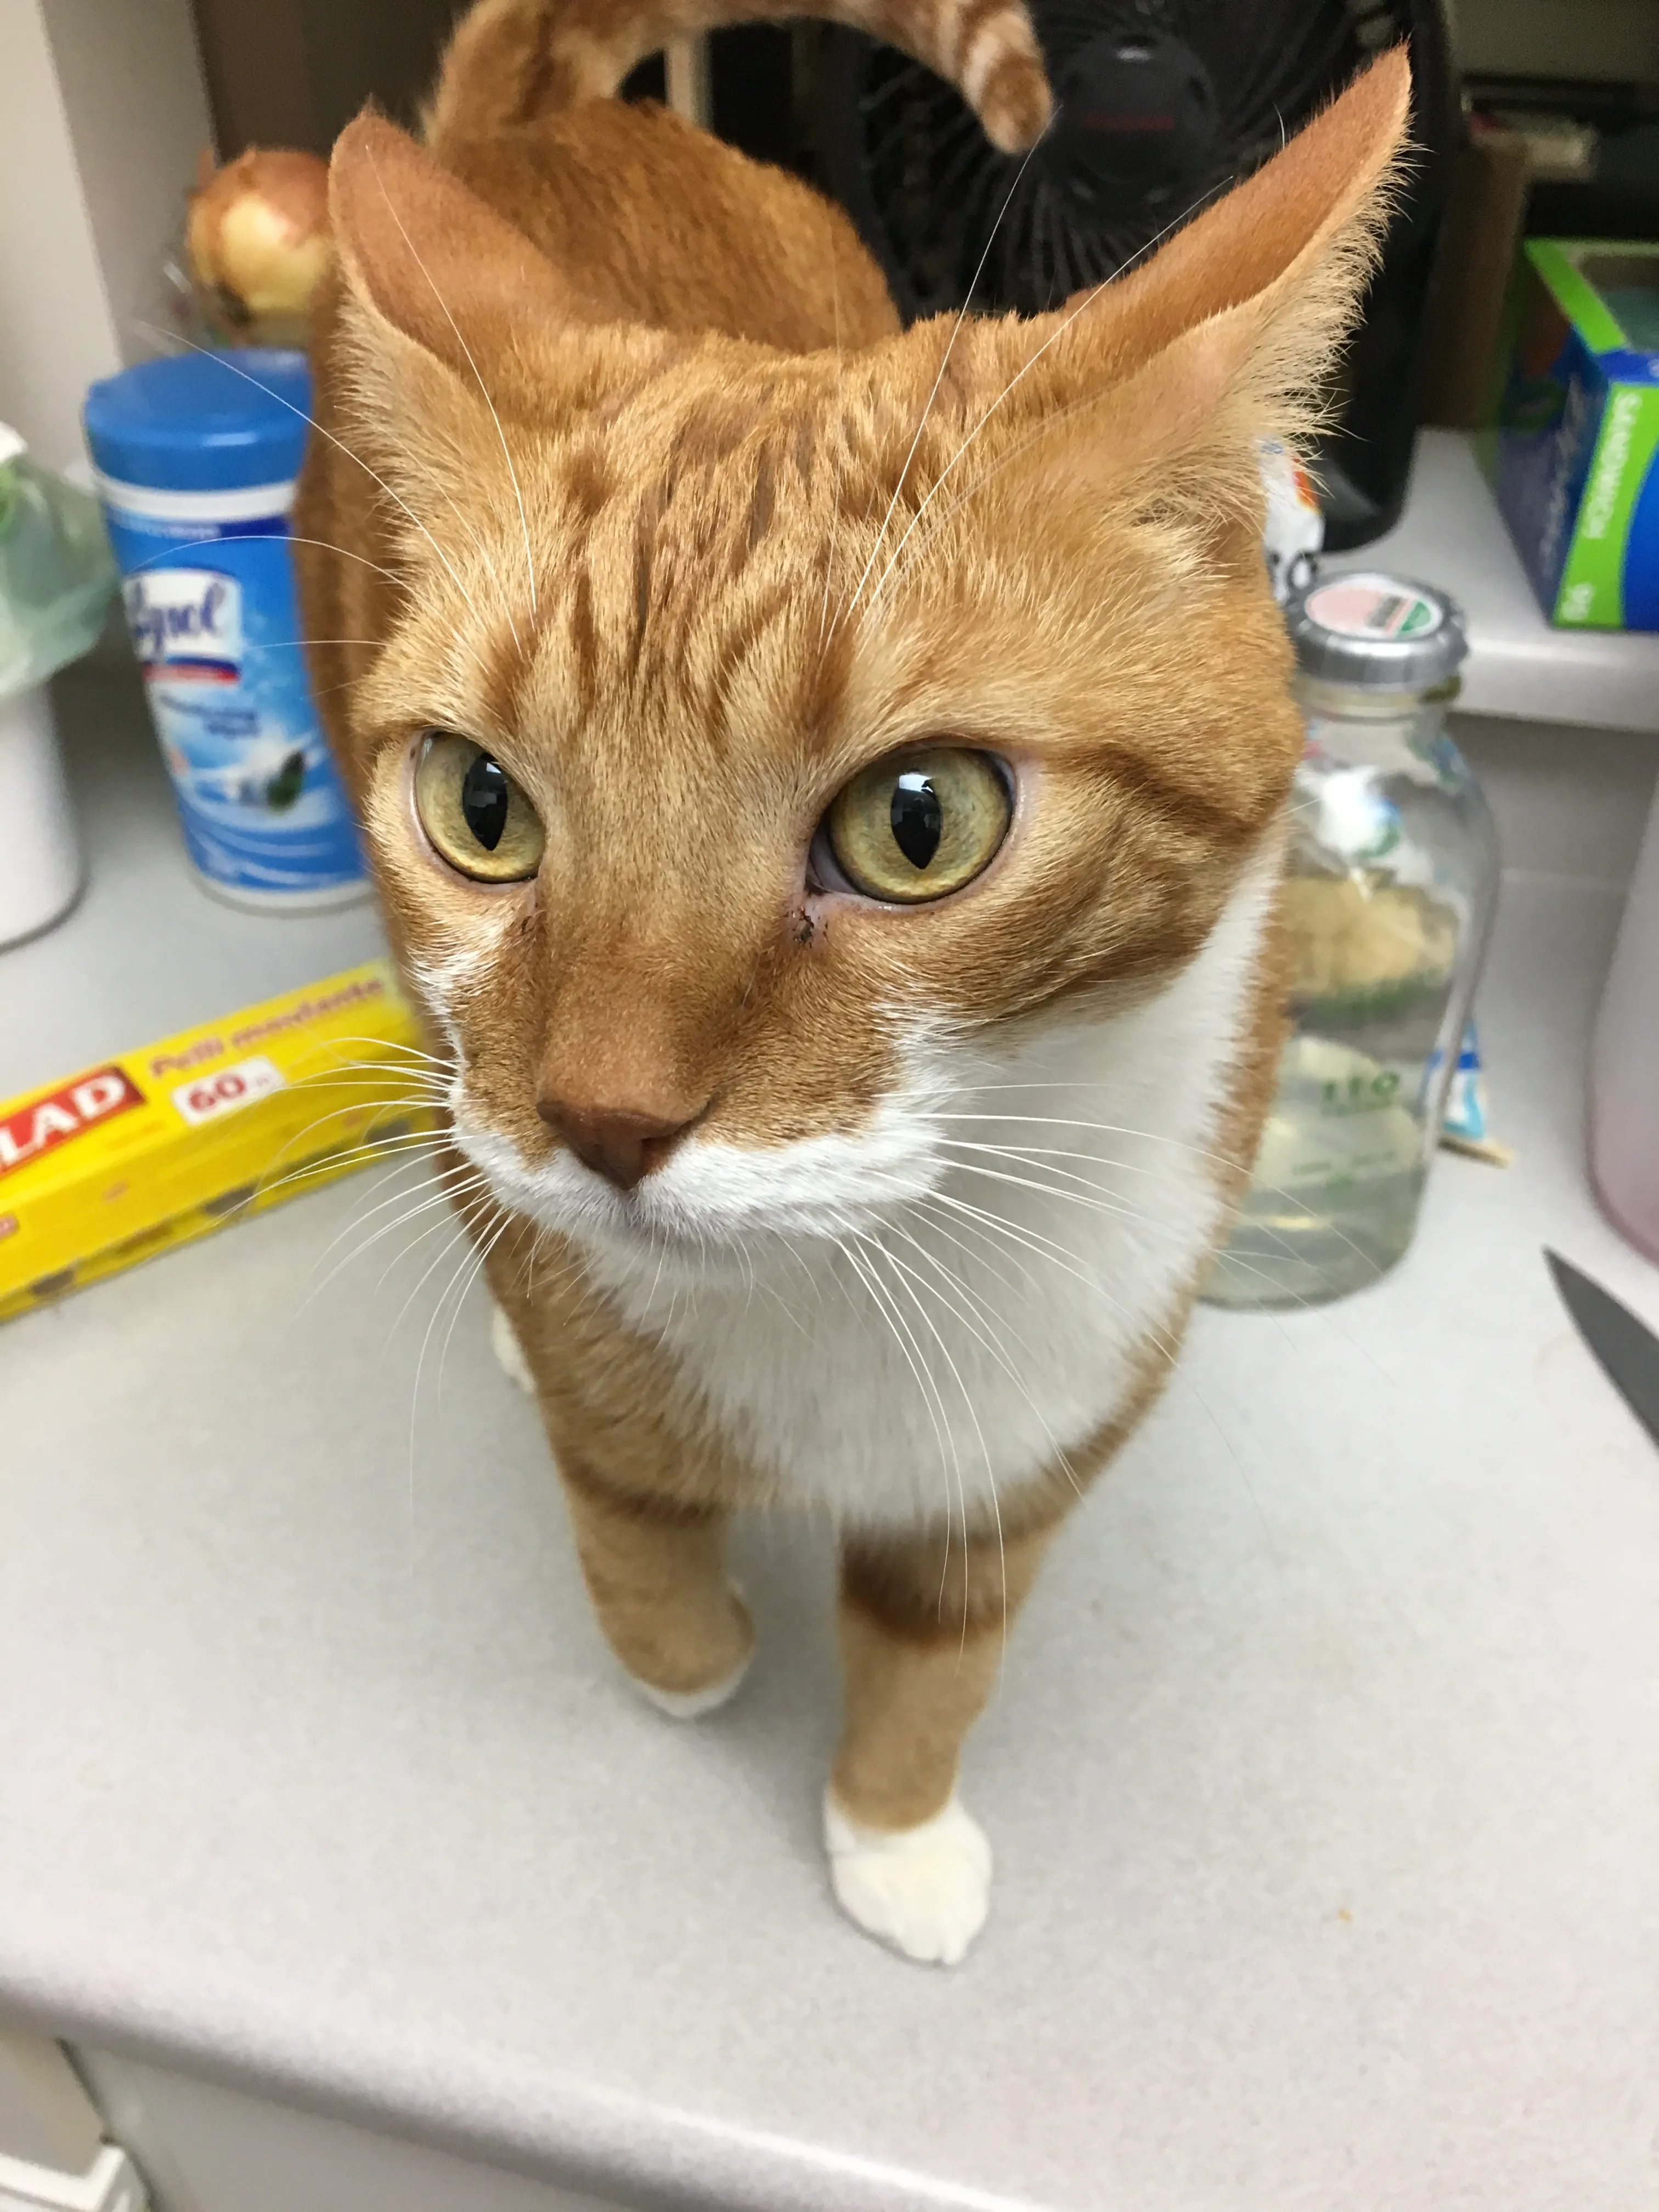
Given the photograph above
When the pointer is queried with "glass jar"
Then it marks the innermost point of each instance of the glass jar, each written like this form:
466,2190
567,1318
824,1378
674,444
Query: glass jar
1389,902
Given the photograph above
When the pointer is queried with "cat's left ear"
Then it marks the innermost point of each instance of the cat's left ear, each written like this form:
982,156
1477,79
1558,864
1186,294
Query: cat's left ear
426,260
1229,326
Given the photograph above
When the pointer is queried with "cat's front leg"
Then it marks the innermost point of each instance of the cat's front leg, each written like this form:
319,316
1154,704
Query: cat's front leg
648,1496
655,1571
922,1622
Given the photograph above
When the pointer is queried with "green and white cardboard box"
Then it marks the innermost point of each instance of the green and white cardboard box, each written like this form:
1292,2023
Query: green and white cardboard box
1572,455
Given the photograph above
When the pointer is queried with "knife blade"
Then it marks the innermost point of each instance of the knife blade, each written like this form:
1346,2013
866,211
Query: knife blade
1624,1347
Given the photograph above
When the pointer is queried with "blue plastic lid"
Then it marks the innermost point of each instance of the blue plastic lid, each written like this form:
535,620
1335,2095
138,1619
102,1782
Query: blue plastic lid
202,422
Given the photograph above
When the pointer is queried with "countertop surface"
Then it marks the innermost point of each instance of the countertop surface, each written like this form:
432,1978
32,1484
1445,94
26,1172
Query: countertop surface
1324,1778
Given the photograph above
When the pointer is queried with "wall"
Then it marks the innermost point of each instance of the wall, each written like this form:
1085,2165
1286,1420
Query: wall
102,115
1598,39
56,327
132,84
1568,802
295,72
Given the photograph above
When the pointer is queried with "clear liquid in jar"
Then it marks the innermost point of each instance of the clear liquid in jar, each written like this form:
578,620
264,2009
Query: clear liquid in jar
1338,1181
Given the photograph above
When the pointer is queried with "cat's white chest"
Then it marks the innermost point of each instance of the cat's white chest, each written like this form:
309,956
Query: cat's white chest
926,1367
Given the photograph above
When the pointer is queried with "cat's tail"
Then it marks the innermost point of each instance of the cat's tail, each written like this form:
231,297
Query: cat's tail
512,60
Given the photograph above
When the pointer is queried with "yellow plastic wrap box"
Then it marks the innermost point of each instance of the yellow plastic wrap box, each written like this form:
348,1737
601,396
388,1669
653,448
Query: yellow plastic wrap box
162,1144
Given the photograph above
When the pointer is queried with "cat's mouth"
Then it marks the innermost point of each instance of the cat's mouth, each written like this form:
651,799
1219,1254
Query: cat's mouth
648,1247
712,1209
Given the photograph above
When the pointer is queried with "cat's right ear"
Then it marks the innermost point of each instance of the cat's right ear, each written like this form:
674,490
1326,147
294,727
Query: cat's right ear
426,260
1221,336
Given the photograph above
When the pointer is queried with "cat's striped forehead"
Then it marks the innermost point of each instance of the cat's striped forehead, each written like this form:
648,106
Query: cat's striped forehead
634,563
765,563
672,574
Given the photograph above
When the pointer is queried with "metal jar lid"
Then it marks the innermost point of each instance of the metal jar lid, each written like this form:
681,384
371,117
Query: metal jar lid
1377,632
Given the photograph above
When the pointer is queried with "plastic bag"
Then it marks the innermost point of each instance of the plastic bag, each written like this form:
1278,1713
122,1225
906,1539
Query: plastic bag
57,574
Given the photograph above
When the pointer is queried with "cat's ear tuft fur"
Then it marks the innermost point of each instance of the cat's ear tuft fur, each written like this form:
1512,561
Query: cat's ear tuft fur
1237,316
425,257
1301,234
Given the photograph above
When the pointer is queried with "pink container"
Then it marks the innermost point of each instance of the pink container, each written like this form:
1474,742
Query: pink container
1625,1063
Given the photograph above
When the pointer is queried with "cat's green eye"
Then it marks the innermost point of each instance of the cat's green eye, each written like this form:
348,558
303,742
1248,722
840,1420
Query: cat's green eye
475,815
919,826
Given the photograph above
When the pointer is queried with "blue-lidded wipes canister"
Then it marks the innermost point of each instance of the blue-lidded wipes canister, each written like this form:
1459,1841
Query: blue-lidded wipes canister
196,457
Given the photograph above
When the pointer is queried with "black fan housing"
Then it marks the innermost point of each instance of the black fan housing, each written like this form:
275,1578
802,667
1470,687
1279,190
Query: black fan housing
1137,116
1160,105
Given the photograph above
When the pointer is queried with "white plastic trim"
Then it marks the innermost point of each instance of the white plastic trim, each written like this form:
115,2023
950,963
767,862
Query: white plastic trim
109,2184
251,504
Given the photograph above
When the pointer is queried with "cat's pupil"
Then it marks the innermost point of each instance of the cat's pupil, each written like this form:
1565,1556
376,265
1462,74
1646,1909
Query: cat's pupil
484,792
917,818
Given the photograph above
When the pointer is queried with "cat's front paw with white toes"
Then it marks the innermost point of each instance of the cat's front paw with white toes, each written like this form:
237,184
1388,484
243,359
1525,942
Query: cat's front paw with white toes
692,1705
924,1890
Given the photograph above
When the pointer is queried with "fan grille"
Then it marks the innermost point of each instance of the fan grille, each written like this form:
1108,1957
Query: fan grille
954,220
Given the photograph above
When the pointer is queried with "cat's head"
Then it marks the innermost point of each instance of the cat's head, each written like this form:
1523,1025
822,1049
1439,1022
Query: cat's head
767,747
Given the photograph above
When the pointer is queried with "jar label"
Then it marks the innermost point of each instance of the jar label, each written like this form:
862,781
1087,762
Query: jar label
1372,606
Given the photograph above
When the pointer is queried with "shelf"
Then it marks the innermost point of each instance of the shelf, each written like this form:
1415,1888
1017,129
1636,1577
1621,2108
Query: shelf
1519,665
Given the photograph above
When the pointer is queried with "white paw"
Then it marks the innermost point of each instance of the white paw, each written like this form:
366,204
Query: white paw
691,1704
924,1890
505,1342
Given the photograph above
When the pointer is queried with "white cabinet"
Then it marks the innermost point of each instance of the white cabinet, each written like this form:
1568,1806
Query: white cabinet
203,2148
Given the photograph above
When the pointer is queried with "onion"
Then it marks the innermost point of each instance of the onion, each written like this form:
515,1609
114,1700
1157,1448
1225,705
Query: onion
257,229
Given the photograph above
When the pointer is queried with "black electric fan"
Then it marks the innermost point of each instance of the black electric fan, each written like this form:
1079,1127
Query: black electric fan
1159,105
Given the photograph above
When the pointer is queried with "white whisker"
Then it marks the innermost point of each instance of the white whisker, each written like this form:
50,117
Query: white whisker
513,474
441,1202
934,1404
978,1320
939,379
911,1283
1020,375
357,460
362,1215
171,552
464,1233
478,1267
841,453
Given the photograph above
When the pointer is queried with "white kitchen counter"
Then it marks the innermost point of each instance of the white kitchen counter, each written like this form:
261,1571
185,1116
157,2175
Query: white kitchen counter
1324,1779
1452,534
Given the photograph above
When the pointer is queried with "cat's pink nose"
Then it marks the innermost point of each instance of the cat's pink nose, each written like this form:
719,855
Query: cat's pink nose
617,1143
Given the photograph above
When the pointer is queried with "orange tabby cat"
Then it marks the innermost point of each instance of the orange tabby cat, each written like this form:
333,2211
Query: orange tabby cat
827,785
